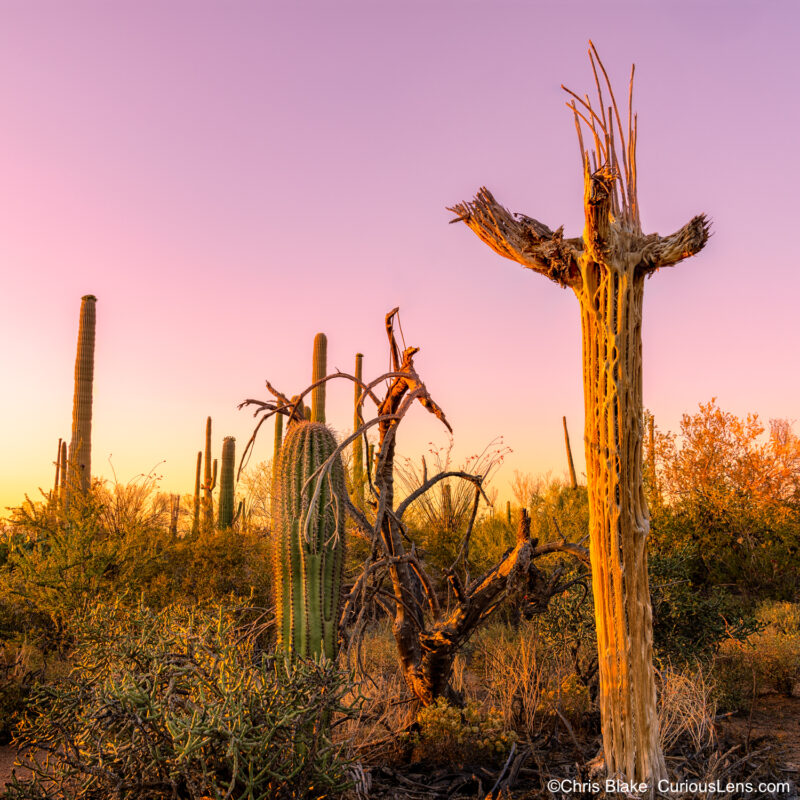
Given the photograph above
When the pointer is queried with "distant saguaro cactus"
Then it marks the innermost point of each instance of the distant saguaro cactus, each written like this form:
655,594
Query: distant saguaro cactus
80,450
225,517
573,478
58,472
309,544
197,484
318,372
209,482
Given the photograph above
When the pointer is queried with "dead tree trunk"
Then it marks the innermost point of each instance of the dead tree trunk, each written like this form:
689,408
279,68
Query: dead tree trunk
606,269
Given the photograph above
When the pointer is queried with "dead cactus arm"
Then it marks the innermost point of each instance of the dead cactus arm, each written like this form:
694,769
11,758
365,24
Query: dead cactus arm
521,239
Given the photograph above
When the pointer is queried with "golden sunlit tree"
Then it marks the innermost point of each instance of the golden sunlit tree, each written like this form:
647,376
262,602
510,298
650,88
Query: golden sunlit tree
606,268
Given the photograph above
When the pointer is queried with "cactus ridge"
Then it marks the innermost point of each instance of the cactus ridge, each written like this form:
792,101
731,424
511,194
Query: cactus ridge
309,545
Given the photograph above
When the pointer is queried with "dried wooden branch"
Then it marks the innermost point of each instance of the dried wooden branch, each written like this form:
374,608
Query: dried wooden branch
521,238
666,251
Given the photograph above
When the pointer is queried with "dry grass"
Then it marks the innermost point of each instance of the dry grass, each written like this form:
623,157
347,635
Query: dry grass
512,677
686,709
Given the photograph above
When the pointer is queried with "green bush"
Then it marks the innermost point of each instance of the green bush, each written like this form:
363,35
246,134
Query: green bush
114,541
768,661
690,620
183,704
448,735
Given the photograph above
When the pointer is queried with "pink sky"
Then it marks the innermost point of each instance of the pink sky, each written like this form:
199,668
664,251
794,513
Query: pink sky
229,179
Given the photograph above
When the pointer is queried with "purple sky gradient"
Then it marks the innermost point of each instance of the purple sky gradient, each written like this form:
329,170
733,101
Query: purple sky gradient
229,179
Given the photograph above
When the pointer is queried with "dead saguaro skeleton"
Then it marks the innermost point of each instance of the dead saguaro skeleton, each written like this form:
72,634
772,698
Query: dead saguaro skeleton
606,269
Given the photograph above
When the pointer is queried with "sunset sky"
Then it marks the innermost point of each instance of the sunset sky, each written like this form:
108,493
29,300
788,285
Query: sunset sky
230,178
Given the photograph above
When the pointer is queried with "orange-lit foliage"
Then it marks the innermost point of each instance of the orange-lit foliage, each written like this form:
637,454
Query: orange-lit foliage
732,487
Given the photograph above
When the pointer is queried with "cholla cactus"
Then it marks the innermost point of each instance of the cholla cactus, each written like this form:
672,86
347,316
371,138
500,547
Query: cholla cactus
308,548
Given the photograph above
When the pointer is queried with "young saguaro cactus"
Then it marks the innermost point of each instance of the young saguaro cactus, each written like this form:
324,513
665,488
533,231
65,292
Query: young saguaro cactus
309,541
318,372
80,449
225,519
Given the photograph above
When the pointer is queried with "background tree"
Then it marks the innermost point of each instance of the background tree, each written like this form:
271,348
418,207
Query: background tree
606,268
732,496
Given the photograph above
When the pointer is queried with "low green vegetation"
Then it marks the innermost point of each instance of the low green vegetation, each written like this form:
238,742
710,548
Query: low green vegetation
138,659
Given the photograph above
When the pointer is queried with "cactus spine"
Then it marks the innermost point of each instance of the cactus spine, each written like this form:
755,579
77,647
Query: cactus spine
308,544
318,372
358,444
209,482
80,449
226,482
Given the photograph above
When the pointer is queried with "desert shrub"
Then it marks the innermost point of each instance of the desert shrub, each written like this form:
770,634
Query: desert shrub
732,488
181,703
567,629
514,675
690,619
686,708
113,541
781,617
439,518
116,539
491,537
767,661
530,677
450,735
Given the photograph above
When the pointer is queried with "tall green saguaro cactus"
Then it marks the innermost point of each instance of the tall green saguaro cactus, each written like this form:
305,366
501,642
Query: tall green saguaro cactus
358,444
318,372
80,449
309,543
225,519
209,482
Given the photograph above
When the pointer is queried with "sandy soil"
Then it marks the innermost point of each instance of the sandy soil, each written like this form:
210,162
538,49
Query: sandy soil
773,715
6,762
